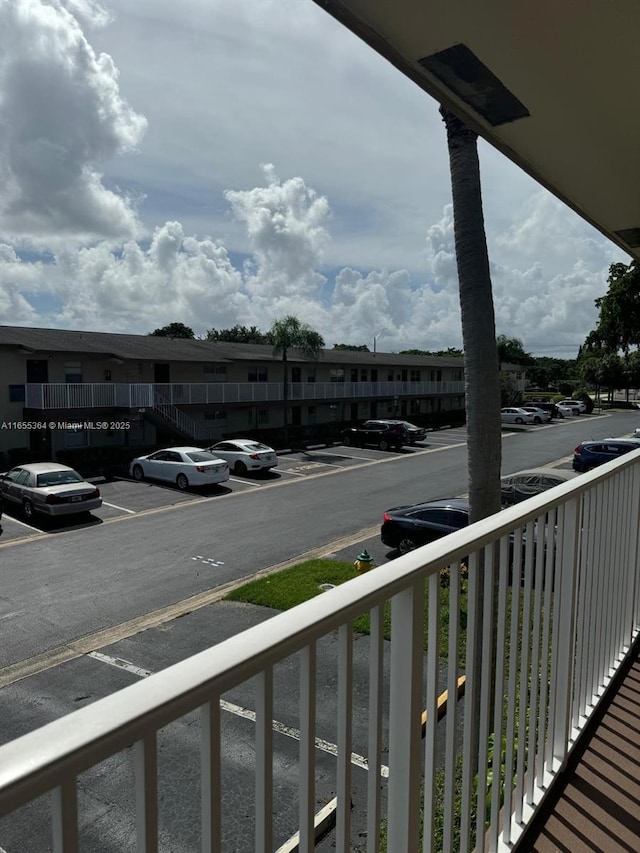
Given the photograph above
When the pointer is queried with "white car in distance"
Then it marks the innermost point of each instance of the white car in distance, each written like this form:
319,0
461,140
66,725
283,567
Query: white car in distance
184,466
245,454
540,416
513,415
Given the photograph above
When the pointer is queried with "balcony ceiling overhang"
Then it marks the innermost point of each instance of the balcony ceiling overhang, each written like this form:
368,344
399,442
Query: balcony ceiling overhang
552,85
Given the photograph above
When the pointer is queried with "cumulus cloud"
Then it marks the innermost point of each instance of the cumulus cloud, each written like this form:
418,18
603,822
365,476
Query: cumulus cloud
62,118
177,277
285,223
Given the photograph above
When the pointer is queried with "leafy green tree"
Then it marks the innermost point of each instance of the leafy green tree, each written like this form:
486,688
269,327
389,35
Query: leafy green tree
618,327
352,347
174,330
450,352
511,351
287,334
240,335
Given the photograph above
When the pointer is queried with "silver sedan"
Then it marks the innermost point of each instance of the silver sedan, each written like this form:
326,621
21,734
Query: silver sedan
48,488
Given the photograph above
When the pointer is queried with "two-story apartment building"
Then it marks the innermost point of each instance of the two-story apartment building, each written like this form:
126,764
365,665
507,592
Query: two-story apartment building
52,378
63,388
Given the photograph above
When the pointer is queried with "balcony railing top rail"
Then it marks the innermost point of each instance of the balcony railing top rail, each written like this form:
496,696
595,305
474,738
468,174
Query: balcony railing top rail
559,609
130,395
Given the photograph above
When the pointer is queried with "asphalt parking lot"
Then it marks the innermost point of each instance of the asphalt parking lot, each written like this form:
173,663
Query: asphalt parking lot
124,496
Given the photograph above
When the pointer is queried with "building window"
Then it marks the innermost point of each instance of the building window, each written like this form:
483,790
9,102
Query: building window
311,377
257,374
436,376
336,374
76,438
16,394
72,372
390,375
215,372
414,376
364,375
219,415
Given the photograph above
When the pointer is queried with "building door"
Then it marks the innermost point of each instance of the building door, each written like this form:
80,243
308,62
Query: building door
354,411
37,370
161,374
373,409
296,415
296,374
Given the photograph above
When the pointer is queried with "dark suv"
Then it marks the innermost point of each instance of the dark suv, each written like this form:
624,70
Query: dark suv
590,454
385,434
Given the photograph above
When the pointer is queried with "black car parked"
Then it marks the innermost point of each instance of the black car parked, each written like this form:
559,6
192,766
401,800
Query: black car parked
407,527
384,434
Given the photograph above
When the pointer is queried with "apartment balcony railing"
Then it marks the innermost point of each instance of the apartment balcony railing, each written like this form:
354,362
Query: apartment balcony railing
141,395
565,610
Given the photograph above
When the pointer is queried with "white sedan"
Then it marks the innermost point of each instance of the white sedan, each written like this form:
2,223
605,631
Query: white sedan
514,415
245,454
184,466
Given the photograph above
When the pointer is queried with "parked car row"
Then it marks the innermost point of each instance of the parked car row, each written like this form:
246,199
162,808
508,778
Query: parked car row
539,413
53,489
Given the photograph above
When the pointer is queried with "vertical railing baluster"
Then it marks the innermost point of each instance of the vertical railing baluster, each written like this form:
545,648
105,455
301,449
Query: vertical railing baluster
376,662
211,781
538,581
64,814
452,685
407,616
264,762
431,708
146,776
544,748
307,747
470,741
512,697
488,666
345,703
525,647
498,709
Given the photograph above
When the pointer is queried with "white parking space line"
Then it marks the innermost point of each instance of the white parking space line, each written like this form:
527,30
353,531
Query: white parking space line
119,663
22,524
246,713
350,455
246,482
295,473
123,508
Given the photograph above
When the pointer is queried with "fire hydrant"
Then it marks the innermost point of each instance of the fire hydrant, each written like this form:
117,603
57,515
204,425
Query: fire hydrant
363,562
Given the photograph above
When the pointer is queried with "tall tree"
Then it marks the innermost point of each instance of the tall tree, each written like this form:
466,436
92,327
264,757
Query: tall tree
511,351
287,334
481,368
240,335
482,379
174,330
619,321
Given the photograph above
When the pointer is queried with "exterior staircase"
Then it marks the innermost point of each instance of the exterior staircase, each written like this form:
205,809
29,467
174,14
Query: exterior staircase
169,416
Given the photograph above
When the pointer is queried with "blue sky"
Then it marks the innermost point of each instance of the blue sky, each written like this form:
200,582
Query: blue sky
175,141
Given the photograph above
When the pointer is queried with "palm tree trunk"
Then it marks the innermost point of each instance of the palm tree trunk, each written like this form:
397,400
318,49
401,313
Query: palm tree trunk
482,374
482,377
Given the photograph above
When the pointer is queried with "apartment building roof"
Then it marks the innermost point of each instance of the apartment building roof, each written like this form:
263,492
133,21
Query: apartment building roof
153,348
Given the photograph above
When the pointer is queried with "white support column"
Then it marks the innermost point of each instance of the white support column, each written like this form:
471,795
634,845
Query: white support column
345,702
264,762
375,728
307,747
211,787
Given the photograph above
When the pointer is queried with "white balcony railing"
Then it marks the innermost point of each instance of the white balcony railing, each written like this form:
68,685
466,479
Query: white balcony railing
107,394
558,634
